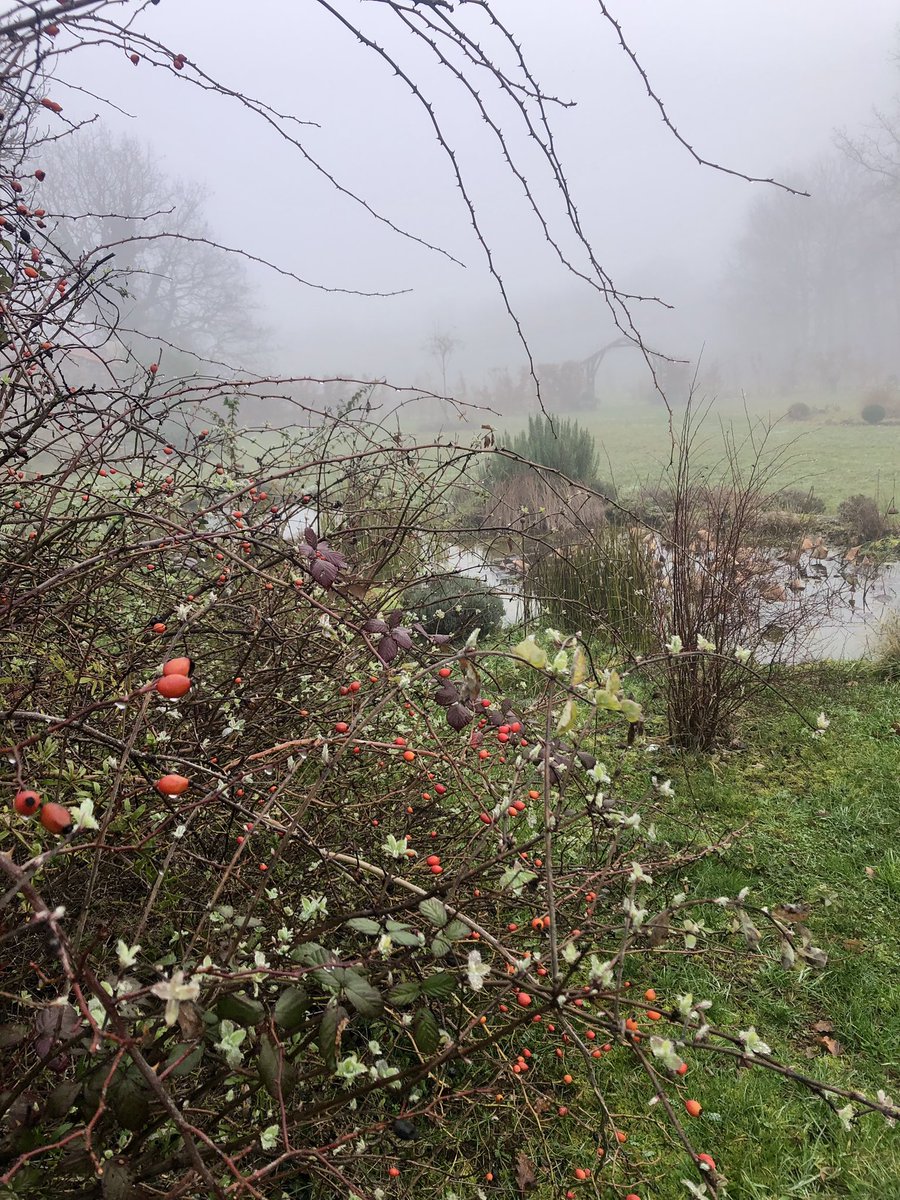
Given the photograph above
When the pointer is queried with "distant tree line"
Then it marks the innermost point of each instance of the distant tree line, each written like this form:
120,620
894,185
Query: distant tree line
812,292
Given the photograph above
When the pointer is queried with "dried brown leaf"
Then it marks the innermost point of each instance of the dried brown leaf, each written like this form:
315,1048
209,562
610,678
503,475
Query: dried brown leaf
525,1176
832,1045
659,928
190,1020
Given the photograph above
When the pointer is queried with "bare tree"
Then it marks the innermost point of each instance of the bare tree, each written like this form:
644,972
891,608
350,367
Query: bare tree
172,283
441,346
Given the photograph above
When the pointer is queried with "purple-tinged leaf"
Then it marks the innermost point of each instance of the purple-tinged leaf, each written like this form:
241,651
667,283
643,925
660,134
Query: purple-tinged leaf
323,571
458,716
446,695
438,639
374,625
332,556
387,649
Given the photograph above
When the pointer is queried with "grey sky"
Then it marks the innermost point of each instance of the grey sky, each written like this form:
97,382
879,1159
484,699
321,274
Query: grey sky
758,85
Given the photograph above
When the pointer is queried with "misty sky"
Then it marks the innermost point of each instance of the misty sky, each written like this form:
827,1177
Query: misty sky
758,85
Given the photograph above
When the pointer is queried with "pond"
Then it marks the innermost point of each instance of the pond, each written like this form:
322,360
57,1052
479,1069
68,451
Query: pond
845,629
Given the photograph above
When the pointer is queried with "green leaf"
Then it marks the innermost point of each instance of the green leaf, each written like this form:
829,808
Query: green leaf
632,710
405,993
130,1102
190,1063
579,667
330,1028
425,1031
432,910
240,1009
328,980
274,1070
61,1099
364,998
529,651
454,931
311,954
566,718
364,925
516,877
404,938
393,926
440,946
290,1008
91,1091
440,985
116,1182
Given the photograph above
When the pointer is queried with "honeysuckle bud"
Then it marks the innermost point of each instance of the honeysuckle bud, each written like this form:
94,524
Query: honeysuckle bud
753,1043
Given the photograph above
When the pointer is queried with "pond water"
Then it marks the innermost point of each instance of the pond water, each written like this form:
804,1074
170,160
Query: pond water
845,629
850,628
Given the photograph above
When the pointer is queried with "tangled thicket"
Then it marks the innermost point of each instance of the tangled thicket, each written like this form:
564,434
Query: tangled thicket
315,892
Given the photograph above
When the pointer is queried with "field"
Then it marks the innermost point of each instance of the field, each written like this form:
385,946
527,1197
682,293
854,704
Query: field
837,455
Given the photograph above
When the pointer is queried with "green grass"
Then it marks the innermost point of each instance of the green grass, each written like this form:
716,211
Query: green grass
820,812
835,459
815,813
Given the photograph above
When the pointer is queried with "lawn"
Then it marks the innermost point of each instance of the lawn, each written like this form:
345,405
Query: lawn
822,825
833,458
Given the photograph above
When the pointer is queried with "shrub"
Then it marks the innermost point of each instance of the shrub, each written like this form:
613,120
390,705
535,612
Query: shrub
863,520
799,412
456,605
521,496
561,445
718,596
305,901
796,500
530,505
873,414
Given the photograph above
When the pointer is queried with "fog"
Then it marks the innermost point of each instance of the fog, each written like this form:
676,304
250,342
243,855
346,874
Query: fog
758,86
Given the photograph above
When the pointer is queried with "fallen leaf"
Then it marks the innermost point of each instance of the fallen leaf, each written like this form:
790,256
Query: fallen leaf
832,1045
525,1176
791,913
870,872
823,1027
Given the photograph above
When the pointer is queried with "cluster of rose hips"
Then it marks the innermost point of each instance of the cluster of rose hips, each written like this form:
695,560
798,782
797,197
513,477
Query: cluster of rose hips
54,817
176,678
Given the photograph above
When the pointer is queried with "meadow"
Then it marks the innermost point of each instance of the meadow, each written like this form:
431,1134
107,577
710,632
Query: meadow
834,453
